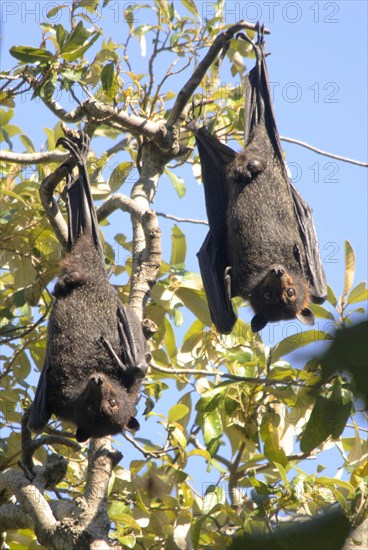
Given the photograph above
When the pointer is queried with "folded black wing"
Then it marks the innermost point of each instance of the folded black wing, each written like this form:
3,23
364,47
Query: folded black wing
134,351
215,158
314,271
40,413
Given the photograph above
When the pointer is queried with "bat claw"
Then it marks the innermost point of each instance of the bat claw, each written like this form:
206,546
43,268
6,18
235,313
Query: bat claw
227,282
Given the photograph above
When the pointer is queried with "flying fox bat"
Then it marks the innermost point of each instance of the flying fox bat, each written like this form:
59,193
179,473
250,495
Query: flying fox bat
96,354
262,243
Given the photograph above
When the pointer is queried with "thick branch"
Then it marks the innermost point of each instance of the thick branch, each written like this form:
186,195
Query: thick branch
146,232
52,211
33,158
358,538
31,499
136,125
188,89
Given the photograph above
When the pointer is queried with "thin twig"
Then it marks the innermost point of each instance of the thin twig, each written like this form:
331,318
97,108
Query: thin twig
325,153
182,220
145,452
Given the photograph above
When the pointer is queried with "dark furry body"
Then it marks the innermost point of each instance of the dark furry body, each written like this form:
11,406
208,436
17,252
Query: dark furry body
96,353
262,228
84,310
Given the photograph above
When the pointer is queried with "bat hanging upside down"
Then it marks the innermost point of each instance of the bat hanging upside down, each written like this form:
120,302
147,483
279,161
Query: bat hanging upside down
262,244
96,353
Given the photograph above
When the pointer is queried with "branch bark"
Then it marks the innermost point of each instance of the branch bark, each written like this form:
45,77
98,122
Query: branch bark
219,44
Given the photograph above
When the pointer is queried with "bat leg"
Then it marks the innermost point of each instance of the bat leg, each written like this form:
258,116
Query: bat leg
106,344
227,283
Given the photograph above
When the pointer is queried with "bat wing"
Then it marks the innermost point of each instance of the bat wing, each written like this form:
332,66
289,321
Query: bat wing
134,348
40,412
314,270
212,257
212,266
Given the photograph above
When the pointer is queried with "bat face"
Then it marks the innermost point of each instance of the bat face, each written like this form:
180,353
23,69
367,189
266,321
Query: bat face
104,408
280,296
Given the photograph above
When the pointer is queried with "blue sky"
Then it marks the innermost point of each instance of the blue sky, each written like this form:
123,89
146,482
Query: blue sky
318,70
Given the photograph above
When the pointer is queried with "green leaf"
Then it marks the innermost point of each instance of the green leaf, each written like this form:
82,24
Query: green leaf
76,38
115,512
6,116
54,11
297,341
196,303
75,44
328,481
27,54
177,412
349,267
14,195
209,419
320,424
178,183
343,413
90,5
349,351
50,138
119,175
343,401
170,342
61,35
358,294
178,247
178,317
331,296
272,449
321,312
107,76
191,6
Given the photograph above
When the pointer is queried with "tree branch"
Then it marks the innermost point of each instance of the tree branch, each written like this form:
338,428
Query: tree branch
188,89
325,153
181,220
33,158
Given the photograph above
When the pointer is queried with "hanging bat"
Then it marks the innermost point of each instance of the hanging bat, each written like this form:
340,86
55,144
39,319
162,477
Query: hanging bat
96,354
262,243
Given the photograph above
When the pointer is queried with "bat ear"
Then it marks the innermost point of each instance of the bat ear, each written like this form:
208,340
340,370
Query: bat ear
81,435
133,424
305,316
258,322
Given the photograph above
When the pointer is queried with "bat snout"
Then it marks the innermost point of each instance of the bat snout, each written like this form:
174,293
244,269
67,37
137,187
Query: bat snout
277,271
98,379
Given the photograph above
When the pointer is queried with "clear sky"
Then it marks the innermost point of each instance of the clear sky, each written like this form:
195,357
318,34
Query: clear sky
318,70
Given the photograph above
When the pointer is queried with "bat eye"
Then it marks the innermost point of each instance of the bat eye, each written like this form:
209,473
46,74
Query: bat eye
112,402
290,292
267,295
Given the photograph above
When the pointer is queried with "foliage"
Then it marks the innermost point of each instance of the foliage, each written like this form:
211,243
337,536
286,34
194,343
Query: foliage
242,411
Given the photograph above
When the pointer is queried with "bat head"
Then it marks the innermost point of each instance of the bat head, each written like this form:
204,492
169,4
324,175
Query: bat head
104,408
244,168
280,296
